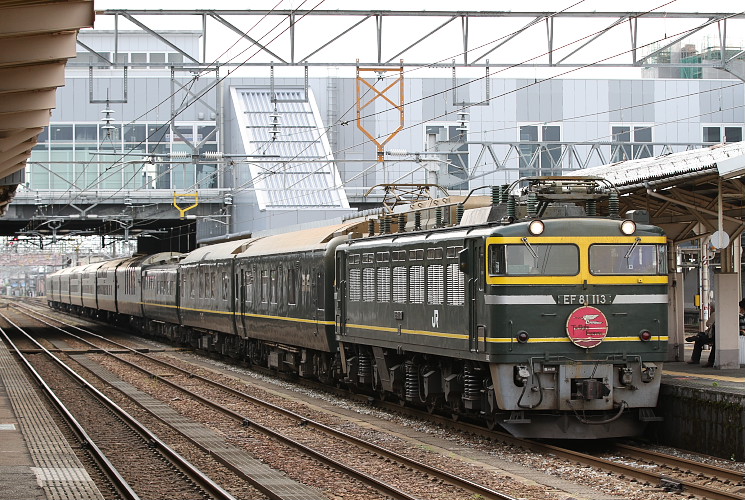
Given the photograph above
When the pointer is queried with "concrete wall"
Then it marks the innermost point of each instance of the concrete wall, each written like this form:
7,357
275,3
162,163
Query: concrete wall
702,420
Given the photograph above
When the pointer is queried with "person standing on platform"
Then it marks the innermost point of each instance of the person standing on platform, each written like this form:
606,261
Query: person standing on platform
742,317
704,338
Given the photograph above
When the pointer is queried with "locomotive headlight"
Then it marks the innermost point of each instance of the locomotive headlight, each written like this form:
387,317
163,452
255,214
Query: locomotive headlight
522,336
536,227
628,227
645,335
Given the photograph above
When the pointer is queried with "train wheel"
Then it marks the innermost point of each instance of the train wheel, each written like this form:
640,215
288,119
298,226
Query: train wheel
431,407
491,422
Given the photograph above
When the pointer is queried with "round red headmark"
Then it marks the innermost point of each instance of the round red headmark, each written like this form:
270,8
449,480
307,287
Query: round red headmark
587,326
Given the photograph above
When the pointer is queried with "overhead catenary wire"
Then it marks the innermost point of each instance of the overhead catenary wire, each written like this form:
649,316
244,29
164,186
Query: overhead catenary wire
495,96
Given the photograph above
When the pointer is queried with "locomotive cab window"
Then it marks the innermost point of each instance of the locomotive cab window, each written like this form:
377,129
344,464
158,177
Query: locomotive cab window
527,259
628,258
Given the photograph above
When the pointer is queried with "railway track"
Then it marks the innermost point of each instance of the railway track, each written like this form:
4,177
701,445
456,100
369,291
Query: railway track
653,468
125,449
339,448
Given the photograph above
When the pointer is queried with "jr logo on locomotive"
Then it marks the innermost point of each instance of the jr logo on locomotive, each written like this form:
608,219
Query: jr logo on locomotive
587,326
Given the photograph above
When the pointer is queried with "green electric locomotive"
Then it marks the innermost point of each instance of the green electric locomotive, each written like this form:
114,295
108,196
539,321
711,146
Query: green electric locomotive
546,319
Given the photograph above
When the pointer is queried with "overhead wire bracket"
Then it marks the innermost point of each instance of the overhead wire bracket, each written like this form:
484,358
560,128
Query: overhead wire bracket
399,105
179,196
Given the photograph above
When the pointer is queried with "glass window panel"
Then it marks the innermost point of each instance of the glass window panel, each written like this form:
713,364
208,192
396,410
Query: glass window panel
552,152
163,176
711,134
205,131
44,136
534,259
111,176
175,58
138,57
187,131
157,133
621,152
207,176
86,170
38,176
102,63
642,134
86,133
157,59
183,175
61,132
629,258
527,166
733,134
122,58
111,134
134,133
134,147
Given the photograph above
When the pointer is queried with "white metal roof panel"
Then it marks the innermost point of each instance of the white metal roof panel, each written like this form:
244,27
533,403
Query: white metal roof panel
304,174
632,173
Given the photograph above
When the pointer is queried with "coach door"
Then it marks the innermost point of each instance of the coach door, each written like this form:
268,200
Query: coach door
472,263
239,290
341,293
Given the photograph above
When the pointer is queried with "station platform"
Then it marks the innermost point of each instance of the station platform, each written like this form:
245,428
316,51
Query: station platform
36,461
703,408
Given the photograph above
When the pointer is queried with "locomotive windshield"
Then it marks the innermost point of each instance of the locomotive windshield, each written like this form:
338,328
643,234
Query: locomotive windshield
629,258
533,259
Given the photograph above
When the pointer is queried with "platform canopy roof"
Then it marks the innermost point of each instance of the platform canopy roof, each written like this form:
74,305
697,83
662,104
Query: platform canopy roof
681,191
37,37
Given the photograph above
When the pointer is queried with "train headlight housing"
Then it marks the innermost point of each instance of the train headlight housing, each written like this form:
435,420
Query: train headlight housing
645,335
522,336
628,227
536,227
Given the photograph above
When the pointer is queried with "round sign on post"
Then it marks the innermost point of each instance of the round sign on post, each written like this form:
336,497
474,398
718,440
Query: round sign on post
719,240
587,326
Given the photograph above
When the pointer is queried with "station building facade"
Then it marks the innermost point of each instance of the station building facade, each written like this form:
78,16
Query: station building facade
279,152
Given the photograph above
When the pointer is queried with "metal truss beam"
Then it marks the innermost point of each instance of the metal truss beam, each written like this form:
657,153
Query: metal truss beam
310,28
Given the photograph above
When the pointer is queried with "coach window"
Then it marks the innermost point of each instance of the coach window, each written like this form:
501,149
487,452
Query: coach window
527,259
248,281
225,286
292,286
264,286
273,287
629,258
320,291
368,258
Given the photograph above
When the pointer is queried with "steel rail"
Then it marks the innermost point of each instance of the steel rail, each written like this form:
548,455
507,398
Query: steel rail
428,469
184,465
681,463
111,472
582,458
